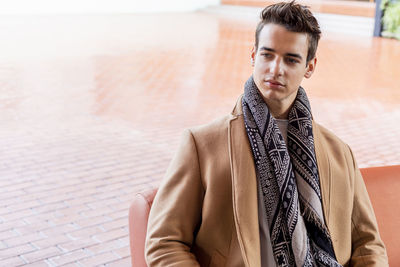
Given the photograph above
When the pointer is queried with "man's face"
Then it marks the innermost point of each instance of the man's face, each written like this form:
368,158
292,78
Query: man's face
280,64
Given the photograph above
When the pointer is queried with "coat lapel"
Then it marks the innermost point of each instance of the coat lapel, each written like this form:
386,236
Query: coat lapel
324,172
244,190
326,181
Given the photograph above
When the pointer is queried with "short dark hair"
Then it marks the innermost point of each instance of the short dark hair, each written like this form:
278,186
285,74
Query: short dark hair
295,18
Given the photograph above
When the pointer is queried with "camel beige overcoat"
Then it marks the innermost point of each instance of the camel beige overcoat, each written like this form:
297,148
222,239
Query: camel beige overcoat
205,212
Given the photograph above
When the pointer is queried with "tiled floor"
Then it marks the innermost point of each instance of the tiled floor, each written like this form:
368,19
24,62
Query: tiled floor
91,109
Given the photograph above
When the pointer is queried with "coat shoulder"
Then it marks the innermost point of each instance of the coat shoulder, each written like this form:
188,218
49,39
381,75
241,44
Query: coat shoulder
212,131
335,150
328,138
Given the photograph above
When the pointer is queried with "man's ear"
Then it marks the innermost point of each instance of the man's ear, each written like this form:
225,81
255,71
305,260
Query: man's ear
310,67
253,55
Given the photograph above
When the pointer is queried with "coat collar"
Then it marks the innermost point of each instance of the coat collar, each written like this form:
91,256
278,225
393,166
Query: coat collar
244,185
244,189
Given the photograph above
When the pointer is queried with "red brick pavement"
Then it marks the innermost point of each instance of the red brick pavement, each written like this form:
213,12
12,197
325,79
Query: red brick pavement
92,109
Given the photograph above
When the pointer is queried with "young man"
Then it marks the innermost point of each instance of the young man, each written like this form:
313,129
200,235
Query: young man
266,185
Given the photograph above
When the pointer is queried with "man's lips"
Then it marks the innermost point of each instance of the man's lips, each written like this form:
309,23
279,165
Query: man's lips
273,84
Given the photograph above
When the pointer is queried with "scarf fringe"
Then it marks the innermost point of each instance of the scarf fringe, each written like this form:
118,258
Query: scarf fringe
311,216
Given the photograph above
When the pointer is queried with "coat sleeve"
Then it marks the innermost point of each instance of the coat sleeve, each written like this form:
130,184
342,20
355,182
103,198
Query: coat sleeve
176,210
367,246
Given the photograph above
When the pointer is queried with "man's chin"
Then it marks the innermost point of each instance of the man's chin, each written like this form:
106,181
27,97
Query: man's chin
272,95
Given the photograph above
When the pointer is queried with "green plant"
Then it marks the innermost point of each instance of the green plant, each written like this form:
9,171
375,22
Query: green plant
391,18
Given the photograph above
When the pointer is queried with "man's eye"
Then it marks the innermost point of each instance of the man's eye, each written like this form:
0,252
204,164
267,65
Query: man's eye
292,60
266,55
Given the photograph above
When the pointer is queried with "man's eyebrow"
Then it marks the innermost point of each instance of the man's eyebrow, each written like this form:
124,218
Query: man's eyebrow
267,48
287,54
294,55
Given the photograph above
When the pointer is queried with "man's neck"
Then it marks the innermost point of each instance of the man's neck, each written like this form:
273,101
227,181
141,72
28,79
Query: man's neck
279,110
282,116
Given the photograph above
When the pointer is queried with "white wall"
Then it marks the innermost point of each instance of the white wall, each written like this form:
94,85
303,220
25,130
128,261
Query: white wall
100,6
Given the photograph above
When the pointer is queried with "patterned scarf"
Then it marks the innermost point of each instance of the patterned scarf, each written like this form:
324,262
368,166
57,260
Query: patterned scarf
288,175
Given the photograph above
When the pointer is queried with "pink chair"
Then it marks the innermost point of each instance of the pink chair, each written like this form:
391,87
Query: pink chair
383,185
138,215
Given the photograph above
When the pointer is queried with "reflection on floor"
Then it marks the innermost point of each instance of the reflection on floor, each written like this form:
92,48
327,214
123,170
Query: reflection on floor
92,109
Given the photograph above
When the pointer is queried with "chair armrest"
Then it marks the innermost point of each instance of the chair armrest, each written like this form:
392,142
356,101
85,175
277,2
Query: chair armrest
138,216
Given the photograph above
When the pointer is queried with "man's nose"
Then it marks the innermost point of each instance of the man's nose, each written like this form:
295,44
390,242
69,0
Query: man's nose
277,67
